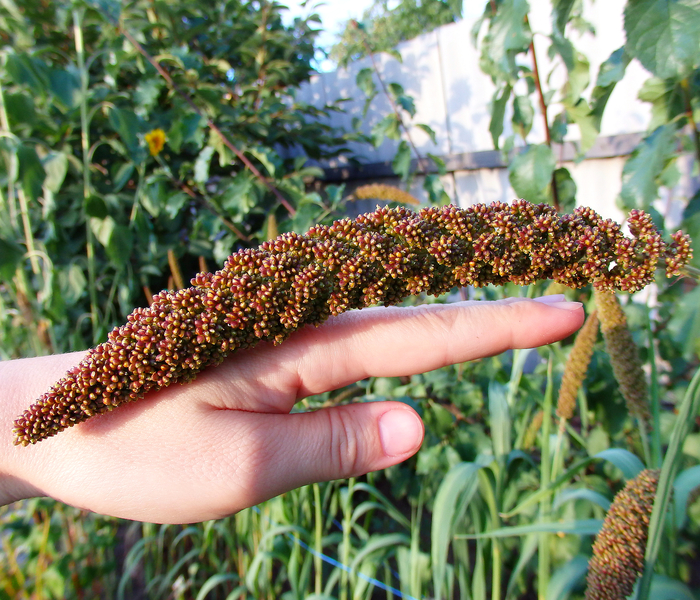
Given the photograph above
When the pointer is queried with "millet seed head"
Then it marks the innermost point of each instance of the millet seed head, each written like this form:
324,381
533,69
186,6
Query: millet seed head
381,257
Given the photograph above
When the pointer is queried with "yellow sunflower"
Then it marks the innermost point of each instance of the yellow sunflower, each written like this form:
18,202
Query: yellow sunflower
155,140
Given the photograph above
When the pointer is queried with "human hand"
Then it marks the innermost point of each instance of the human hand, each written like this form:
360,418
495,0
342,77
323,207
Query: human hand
225,442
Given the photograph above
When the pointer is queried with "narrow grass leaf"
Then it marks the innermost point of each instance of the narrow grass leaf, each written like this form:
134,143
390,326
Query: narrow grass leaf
578,527
380,542
527,551
566,577
391,510
665,588
685,483
687,412
500,419
453,495
213,581
628,463
581,494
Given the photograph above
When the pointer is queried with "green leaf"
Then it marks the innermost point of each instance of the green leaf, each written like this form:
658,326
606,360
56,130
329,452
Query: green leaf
406,102
500,419
498,112
523,115
452,498
121,174
645,165
686,482
429,131
580,113
31,171
566,578
566,190
436,191
10,257
508,35
558,128
530,173
624,460
65,86
20,109
402,161
29,71
610,73
187,129
561,11
96,207
665,588
201,165
128,125
577,527
365,82
268,158
581,494
664,35
684,423
579,77
55,167
564,48
387,127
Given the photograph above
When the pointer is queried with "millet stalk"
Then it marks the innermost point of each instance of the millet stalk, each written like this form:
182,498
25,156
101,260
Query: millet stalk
382,257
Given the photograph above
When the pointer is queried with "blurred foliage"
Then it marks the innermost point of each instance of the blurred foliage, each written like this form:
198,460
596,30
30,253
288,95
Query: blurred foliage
388,23
491,506
96,210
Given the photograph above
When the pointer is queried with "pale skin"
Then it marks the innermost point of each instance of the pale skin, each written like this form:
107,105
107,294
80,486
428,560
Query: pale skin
225,442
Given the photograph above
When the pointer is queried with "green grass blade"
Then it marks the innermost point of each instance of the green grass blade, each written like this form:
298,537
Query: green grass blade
687,412
566,577
577,527
685,483
453,495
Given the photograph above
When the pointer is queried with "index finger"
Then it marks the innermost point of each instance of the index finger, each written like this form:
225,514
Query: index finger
396,341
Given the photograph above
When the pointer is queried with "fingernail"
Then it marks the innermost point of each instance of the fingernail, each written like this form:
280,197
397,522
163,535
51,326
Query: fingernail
400,431
550,299
566,305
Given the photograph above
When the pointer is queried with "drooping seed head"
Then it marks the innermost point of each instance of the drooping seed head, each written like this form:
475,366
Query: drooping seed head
382,257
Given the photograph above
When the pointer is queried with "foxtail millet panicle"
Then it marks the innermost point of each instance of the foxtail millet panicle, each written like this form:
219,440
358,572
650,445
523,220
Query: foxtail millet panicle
389,193
576,367
382,257
624,354
618,551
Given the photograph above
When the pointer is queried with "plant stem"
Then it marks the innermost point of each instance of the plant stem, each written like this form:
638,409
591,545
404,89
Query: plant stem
347,527
85,146
421,164
318,541
543,565
6,214
654,399
543,110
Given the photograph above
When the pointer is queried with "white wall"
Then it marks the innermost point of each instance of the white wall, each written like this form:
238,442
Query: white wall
441,71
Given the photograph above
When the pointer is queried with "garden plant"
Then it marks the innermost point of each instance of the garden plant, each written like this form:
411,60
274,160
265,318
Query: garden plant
145,142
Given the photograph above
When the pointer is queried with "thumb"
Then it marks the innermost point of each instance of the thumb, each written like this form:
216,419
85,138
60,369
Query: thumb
333,443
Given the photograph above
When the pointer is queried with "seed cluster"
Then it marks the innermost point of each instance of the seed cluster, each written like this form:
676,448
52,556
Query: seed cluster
380,258
379,191
576,367
618,552
624,355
